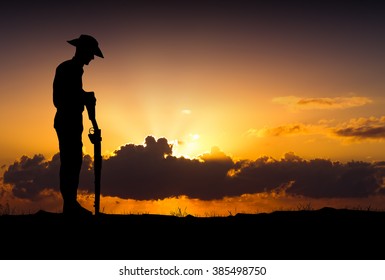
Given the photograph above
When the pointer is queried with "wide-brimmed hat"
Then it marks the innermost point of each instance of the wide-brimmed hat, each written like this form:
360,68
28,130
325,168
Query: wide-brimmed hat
87,42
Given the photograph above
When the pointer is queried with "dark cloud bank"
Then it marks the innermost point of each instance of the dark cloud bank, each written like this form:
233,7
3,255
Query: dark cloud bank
150,171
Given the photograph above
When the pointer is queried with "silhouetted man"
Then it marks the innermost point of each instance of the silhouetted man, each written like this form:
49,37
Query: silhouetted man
70,100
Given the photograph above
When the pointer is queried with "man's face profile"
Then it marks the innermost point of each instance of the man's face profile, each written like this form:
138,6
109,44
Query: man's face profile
88,57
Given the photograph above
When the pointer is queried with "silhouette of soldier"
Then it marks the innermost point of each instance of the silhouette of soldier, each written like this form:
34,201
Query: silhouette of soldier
70,99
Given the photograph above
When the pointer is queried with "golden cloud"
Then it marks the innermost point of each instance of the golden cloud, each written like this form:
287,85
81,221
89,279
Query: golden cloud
362,128
289,130
298,103
357,129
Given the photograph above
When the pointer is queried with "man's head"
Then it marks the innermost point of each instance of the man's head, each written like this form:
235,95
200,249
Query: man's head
86,48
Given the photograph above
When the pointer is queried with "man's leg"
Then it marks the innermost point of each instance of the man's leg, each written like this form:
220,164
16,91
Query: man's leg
71,161
71,158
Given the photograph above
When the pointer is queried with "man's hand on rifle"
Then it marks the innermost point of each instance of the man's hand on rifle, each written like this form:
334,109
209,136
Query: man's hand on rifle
95,135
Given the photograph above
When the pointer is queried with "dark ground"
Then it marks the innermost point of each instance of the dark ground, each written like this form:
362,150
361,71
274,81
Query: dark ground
325,234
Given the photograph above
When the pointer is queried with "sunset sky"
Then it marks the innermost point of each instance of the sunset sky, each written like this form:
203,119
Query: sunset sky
209,107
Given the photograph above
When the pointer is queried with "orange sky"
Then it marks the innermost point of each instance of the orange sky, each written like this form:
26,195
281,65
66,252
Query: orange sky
253,80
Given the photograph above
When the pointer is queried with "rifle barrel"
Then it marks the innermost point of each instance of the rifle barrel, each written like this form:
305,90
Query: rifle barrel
96,139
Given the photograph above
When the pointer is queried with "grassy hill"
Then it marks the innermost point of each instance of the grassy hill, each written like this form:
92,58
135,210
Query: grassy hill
306,234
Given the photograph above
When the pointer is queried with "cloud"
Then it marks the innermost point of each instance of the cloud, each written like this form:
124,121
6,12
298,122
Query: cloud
140,173
151,172
362,128
317,178
323,127
30,177
284,130
298,103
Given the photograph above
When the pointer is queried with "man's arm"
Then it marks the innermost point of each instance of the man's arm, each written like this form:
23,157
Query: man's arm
90,102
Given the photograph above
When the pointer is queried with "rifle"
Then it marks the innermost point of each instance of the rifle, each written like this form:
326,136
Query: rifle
95,136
